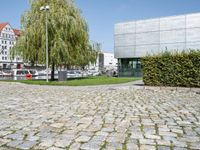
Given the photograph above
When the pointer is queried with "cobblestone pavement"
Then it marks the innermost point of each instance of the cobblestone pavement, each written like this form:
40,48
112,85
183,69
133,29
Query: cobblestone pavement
97,118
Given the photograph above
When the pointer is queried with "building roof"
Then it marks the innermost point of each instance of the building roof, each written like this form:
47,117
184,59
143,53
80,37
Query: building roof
2,25
16,31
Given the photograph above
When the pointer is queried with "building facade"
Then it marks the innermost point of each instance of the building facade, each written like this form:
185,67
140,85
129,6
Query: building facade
109,61
105,61
8,37
136,39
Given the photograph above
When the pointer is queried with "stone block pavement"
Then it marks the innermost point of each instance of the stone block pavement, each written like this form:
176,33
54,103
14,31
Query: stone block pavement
98,118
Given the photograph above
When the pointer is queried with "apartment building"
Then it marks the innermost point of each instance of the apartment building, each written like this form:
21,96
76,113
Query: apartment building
8,37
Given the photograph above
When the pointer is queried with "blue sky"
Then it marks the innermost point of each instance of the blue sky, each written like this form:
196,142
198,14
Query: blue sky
101,15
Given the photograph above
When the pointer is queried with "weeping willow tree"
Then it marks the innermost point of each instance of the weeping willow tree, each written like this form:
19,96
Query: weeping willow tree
67,32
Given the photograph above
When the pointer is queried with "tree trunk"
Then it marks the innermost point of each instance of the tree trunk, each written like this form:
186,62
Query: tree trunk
52,71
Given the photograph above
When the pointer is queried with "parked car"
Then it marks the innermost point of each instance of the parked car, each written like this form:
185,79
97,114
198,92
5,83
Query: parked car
34,73
71,74
93,73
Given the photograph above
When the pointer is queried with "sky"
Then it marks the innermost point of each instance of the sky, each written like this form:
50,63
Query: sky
101,15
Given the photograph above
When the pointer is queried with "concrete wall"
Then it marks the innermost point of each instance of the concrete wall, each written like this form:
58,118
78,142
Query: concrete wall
138,38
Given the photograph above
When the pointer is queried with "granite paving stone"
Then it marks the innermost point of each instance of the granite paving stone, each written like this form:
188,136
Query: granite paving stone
118,117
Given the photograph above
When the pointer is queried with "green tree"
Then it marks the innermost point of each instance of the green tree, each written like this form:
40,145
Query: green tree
67,32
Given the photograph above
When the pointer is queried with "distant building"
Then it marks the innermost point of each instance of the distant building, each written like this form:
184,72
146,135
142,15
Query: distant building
136,39
109,61
8,37
105,61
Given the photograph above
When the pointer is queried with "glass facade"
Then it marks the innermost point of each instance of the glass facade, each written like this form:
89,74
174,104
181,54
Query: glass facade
136,39
129,67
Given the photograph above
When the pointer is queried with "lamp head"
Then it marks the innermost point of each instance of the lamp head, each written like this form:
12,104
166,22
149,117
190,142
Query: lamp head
42,8
47,7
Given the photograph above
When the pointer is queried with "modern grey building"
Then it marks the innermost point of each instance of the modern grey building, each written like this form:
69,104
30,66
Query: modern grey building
136,39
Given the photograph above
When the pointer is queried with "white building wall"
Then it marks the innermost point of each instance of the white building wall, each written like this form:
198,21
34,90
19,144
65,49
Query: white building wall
109,61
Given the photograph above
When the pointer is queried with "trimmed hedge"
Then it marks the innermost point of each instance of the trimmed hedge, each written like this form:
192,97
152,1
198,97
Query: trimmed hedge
180,69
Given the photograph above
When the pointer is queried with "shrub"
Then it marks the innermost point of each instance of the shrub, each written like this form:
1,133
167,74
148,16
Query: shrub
172,69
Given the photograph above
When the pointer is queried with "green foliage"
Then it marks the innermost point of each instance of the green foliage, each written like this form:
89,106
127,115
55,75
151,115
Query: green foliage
172,69
68,35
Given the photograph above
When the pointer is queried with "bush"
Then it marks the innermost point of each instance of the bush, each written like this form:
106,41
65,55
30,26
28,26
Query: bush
172,69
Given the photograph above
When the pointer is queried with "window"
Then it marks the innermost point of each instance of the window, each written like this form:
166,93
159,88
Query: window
5,42
5,58
32,72
10,42
5,52
2,41
2,58
5,47
2,47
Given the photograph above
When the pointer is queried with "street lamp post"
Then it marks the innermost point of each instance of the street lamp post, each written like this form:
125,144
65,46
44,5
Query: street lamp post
46,8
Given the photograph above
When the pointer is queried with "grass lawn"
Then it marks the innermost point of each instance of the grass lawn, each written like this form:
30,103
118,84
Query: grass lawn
99,80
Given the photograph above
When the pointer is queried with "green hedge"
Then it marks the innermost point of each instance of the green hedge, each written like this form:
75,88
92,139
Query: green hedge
172,69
